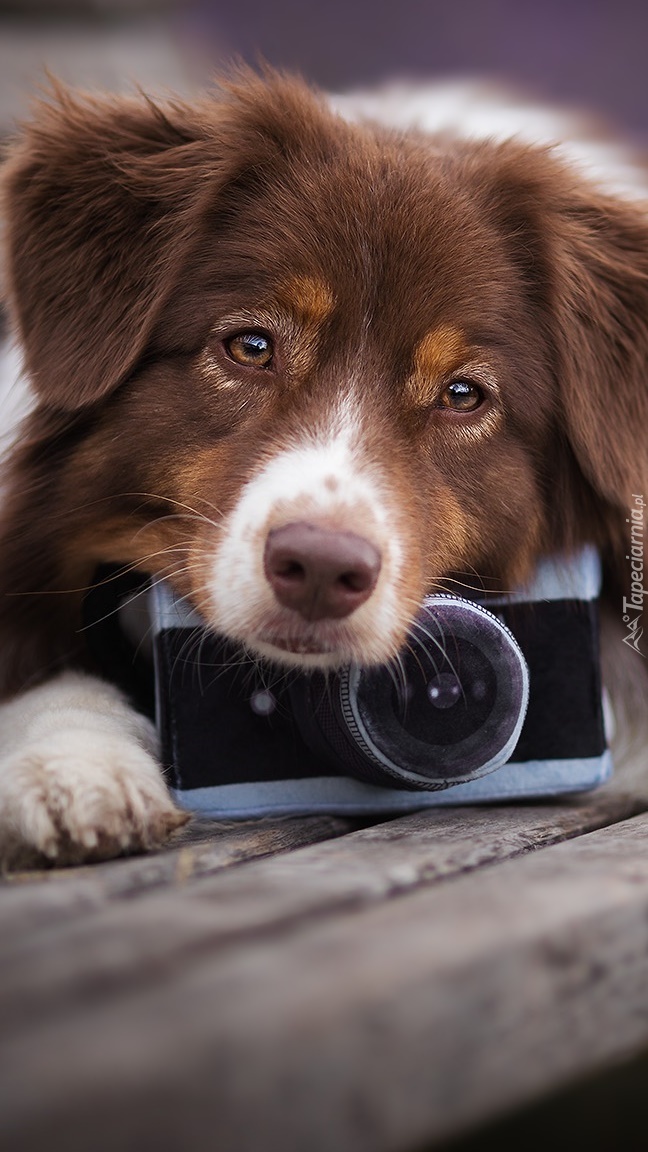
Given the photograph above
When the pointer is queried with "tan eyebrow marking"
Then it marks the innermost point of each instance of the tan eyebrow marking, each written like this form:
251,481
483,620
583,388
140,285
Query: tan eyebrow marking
309,298
440,352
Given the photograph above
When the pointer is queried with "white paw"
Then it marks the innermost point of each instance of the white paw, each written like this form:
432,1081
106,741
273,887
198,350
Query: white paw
79,785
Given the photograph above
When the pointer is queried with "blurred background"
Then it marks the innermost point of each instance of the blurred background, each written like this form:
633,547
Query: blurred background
588,53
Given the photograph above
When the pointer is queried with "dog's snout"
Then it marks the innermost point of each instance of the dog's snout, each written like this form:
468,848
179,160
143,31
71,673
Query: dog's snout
320,573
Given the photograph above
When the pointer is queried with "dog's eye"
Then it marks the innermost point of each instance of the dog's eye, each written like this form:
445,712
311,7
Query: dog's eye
252,349
462,396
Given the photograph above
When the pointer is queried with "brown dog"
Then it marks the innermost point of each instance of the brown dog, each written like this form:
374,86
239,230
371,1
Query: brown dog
306,369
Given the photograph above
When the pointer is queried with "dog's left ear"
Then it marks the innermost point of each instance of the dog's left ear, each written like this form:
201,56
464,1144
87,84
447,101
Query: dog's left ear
600,315
583,259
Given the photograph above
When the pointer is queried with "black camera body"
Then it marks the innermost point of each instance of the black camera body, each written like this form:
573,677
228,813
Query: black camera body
491,699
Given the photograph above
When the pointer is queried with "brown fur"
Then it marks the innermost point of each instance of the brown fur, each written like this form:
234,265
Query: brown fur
135,229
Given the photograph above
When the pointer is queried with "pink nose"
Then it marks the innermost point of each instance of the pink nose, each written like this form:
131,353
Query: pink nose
321,574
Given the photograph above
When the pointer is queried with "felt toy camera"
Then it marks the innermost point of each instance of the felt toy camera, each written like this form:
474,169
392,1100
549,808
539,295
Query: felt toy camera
489,700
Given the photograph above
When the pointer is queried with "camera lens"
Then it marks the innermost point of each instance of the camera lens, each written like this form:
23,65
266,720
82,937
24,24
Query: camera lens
444,690
448,710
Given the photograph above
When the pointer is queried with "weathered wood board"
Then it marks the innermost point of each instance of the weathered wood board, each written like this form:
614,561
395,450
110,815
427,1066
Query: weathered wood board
370,991
32,899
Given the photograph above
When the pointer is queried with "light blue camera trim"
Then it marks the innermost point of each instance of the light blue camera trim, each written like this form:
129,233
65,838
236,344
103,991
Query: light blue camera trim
561,577
342,795
167,610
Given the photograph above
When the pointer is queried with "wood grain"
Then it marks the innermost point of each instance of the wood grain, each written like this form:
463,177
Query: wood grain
343,1002
201,848
58,947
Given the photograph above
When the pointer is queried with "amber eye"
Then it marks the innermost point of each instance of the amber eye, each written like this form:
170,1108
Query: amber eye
252,349
462,396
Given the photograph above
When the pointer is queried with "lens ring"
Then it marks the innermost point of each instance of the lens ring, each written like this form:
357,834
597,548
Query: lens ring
432,767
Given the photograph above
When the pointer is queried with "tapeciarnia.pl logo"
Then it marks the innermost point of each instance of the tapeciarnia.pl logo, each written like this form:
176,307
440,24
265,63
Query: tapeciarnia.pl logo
634,603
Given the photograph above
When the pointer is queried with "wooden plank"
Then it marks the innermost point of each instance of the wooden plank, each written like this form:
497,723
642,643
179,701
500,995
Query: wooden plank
54,951
366,865
402,1021
202,848
46,961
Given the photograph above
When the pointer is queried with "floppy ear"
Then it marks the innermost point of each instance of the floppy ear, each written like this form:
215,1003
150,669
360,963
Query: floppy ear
583,257
103,202
601,313
100,196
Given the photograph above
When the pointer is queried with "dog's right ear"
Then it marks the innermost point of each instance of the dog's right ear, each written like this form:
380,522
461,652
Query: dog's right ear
104,202
100,200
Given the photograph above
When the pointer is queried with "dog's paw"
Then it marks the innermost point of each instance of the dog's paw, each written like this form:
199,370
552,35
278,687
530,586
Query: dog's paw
78,776
79,796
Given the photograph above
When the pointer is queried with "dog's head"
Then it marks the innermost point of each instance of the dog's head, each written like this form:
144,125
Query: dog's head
308,369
